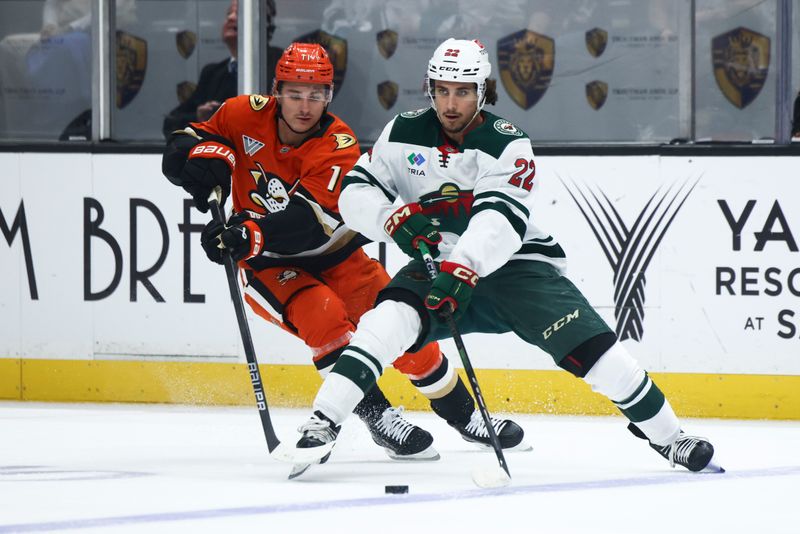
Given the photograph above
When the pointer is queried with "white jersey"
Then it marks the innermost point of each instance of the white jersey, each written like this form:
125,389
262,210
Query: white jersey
479,194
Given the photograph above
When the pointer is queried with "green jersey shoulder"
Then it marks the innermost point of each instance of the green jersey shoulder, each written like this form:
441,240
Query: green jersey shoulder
494,135
418,127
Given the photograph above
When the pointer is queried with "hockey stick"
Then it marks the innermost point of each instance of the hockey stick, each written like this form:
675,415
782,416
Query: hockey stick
276,449
484,478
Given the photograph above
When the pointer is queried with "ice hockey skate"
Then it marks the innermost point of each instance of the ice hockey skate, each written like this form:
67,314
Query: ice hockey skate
318,432
509,433
692,452
400,439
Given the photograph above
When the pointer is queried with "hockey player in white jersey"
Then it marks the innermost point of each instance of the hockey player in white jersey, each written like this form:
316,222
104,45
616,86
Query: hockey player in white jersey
466,179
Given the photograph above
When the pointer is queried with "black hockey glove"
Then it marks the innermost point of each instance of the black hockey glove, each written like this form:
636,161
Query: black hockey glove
242,237
408,225
210,164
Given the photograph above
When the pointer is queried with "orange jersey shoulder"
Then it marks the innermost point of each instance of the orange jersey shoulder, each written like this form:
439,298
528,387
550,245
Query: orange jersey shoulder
239,114
327,157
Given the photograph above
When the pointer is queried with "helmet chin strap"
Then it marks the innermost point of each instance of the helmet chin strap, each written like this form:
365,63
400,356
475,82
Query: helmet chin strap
477,112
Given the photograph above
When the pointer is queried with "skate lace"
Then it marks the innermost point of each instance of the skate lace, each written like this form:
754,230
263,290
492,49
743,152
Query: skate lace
393,425
681,448
317,428
477,427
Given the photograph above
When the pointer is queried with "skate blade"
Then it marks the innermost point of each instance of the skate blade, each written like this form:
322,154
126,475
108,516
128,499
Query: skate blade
713,467
428,455
522,446
298,470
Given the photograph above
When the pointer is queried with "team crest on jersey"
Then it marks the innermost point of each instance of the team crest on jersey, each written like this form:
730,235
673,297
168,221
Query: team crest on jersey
343,140
257,102
449,207
286,276
270,191
741,62
506,128
526,60
414,113
251,146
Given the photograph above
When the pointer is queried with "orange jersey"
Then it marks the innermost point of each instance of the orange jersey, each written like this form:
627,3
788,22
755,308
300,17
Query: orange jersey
269,177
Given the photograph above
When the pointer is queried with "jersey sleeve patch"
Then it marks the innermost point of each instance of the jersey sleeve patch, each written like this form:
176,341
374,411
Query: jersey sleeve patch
414,113
257,102
493,138
343,140
506,128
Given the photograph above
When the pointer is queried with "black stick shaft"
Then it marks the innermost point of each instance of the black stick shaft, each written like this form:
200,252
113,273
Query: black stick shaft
433,272
247,340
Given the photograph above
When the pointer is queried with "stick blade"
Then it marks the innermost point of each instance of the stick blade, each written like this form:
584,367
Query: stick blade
491,477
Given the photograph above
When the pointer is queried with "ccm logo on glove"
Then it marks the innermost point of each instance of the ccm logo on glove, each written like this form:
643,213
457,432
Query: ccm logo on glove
399,217
452,286
462,273
212,149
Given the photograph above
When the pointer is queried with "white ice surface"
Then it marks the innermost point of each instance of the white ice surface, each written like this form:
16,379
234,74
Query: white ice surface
134,468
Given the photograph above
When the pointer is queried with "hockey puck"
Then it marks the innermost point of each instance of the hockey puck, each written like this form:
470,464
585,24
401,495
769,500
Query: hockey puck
396,490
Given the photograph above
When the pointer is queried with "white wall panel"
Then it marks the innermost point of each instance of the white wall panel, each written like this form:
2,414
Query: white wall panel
12,262
59,323
681,322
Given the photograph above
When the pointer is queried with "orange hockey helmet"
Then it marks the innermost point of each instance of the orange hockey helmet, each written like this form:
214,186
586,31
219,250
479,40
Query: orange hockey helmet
304,63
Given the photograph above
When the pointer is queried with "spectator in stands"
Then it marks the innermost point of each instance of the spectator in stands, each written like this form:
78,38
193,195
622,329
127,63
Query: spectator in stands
46,75
218,81
65,16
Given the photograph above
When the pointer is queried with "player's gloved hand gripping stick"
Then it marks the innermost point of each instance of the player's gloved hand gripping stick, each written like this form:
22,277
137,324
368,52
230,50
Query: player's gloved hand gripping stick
277,450
486,478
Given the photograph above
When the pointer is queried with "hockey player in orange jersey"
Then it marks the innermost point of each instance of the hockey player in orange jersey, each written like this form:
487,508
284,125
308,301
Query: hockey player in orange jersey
304,269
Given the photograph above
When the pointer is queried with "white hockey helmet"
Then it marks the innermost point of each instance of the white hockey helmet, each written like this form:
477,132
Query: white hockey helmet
459,60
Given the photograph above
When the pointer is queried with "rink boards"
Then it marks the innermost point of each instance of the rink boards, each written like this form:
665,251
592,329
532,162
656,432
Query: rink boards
107,295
